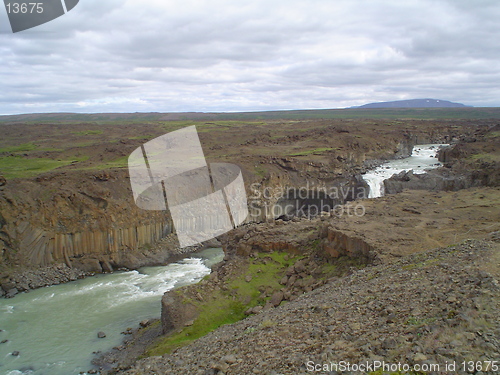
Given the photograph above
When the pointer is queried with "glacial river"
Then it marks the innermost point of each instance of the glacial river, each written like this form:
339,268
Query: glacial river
423,157
54,329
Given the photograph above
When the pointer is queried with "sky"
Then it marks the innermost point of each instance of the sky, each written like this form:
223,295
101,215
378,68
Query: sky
239,55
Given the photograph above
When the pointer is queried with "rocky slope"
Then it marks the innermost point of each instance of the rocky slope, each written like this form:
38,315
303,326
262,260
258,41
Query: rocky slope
392,232
432,308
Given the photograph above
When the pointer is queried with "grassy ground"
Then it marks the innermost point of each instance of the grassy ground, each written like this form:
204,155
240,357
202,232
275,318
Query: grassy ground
316,151
21,167
35,144
242,290
228,306
140,118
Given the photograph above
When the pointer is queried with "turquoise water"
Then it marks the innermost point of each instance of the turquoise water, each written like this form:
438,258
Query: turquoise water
54,329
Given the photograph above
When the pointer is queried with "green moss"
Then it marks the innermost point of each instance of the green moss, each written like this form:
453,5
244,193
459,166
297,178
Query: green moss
225,307
145,137
493,135
22,167
338,267
413,321
215,312
315,245
121,162
316,151
88,132
266,271
267,324
424,264
25,147
486,157
260,171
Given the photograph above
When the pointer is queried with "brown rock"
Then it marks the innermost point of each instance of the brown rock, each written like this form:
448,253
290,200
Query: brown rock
276,299
106,266
284,280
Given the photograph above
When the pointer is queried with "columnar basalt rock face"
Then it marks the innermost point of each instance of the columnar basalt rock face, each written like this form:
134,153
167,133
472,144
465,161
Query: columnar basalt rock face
41,247
286,200
81,219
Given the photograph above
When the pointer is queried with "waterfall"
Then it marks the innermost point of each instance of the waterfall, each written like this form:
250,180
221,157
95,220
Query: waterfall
422,159
375,185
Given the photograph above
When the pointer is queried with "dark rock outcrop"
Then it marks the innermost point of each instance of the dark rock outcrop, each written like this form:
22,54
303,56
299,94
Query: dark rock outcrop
434,181
176,311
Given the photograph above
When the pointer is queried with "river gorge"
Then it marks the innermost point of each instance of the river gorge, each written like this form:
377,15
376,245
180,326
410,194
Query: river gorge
54,330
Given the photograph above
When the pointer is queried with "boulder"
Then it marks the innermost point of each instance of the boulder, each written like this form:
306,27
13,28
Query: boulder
88,265
276,298
11,293
176,311
106,266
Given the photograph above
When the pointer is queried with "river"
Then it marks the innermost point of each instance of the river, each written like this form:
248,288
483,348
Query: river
423,158
54,329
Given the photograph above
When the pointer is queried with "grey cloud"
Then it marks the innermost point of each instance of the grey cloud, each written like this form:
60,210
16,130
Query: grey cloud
225,55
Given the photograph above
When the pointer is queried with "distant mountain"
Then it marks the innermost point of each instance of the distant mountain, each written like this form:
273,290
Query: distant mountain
415,103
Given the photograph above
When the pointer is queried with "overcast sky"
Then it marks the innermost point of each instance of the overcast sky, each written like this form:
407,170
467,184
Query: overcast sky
239,55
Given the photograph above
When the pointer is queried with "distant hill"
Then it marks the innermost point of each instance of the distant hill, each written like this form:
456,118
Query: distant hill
415,103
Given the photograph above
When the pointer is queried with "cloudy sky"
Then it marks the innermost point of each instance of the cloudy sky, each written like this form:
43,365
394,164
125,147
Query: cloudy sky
239,55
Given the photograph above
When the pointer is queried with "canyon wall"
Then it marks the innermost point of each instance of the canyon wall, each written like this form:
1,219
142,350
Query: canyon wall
83,219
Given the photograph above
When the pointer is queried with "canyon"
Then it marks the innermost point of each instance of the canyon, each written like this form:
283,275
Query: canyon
82,214
78,219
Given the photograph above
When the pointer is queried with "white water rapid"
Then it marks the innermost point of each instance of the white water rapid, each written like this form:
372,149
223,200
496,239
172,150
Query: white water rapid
423,158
